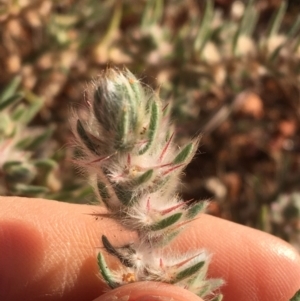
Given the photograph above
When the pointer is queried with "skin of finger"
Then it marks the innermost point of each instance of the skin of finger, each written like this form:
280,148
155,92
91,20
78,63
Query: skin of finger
149,291
255,265
48,252
49,248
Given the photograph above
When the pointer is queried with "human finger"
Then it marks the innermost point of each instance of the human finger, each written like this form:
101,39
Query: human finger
149,291
48,253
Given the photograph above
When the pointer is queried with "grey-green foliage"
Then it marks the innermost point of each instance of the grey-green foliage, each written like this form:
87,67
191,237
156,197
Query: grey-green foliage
227,52
284,215
127,147
24,164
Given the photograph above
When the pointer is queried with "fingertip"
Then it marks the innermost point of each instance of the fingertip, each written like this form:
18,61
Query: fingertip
254,264
148,291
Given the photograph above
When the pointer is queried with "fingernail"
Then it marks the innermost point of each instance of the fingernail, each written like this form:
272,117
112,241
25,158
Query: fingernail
153,298
148,291
127,298
113,298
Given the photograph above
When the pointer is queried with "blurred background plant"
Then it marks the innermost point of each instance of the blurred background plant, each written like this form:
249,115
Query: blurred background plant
230,68
22,162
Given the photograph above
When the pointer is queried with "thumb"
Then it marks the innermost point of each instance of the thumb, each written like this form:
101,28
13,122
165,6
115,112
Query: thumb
149,291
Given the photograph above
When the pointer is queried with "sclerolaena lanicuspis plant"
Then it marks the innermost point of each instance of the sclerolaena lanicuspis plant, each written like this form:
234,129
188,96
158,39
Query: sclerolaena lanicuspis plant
126,146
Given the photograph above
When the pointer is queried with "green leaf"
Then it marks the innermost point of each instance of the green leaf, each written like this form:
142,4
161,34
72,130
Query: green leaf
166,222
122,130
112,250
209,286
133,114
136,87
35,105
105,271
247,18
188,271
205,31
243,23
29,189
10,100
45,163
10,90
19,172
154,119
108,246
195,209
6,125
18,112
296,297
184,154
103,191
124,195
115,20
132,93
153,13
277,20
143,178
294,29
251,22
105,110
9,164
85,138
